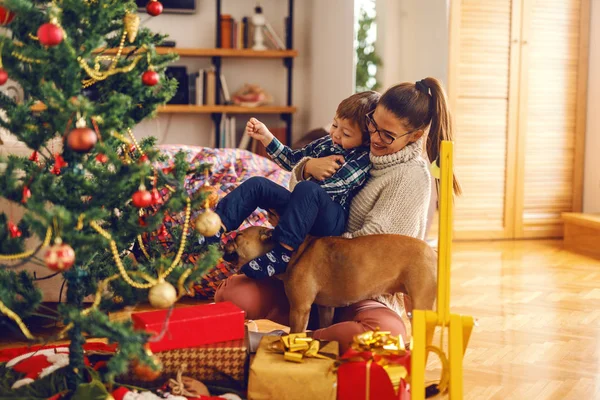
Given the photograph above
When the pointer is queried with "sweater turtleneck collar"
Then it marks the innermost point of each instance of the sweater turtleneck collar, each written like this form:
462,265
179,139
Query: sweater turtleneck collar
403,156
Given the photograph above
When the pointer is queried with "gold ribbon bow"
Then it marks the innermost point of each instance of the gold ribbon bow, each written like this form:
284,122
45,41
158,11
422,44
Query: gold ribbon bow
379,342
382,343
297,346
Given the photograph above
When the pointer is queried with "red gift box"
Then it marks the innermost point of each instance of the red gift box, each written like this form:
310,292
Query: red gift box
361,376
192,326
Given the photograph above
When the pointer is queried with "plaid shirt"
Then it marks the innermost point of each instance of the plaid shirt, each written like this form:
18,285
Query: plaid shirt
341,186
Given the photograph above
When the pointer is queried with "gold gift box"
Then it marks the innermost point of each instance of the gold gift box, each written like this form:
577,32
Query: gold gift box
272,377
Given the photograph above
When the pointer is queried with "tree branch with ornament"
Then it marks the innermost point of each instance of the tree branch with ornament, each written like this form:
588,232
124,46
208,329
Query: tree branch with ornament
90,192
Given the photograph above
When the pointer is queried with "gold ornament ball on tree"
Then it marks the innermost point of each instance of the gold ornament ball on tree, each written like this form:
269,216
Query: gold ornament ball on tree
163,295
145,372
210,194
208,223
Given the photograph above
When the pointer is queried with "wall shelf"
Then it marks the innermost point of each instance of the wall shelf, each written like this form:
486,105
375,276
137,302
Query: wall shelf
227,109
216,52
221,109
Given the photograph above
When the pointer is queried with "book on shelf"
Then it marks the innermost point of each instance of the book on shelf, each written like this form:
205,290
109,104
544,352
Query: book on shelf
235,34
225,90
246,33
192,87
245,140
273,36
200,79
226,31
232,134
210,87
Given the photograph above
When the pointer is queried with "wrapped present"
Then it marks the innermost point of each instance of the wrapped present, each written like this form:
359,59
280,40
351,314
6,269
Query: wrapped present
293,367
375,368
191,326
222,364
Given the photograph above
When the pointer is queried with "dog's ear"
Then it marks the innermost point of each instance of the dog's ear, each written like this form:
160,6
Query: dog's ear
266,235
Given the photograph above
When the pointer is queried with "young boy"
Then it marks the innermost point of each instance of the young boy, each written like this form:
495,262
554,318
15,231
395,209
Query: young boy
317,206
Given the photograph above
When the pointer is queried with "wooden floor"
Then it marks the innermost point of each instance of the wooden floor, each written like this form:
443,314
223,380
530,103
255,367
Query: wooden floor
538,313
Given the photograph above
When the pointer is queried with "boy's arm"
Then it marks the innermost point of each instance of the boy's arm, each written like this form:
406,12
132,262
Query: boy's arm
287,158
352,174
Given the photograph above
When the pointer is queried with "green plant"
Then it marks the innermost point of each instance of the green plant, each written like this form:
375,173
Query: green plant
367,58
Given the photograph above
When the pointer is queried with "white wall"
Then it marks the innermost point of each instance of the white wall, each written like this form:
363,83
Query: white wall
591,183
412,39
198,30
331,58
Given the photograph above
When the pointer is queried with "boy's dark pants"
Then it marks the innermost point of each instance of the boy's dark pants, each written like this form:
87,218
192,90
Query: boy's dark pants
308,209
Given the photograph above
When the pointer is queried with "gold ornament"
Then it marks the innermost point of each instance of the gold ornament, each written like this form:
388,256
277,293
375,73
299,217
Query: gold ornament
163,295
146,373
151,281
208,223
211,195
97,75
132,23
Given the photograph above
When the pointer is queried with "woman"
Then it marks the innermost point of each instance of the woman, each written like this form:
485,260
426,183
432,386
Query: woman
394,200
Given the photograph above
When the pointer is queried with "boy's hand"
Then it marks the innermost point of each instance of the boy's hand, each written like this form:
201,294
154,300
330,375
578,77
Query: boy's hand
257,130
323,168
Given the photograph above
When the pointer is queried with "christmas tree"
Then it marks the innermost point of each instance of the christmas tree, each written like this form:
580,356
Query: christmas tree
90,191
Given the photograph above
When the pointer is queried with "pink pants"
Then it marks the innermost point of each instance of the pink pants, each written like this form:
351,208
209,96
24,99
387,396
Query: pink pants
265,299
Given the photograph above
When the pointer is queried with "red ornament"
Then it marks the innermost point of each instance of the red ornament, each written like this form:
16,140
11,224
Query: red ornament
50,34
34,156
143,159
26,194
60,256
142,198
3,76
102,158
6,16
156,197
163,231
13,230
59,162
150,78
154,7
82,139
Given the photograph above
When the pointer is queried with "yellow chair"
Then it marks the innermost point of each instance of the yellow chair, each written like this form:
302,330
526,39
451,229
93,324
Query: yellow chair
458,327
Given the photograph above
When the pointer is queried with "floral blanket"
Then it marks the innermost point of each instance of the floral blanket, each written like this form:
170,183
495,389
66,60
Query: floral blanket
230,168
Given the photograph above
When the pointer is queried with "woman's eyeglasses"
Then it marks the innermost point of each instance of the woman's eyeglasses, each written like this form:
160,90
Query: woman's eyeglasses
384,136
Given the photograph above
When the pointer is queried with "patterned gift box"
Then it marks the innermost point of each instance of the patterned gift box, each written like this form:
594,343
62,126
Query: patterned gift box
223,364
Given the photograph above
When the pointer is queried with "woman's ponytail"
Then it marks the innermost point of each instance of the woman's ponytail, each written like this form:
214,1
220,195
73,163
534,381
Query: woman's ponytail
441,124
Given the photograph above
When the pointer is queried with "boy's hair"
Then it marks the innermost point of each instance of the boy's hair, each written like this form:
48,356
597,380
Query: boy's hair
356,107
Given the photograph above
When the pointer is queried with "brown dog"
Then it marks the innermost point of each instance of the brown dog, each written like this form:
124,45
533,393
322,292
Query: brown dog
336,272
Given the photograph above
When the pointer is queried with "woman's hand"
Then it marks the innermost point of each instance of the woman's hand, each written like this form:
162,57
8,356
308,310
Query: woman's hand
323,168
257,130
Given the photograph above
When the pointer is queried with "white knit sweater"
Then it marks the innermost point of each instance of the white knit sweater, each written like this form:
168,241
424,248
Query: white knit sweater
395,199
